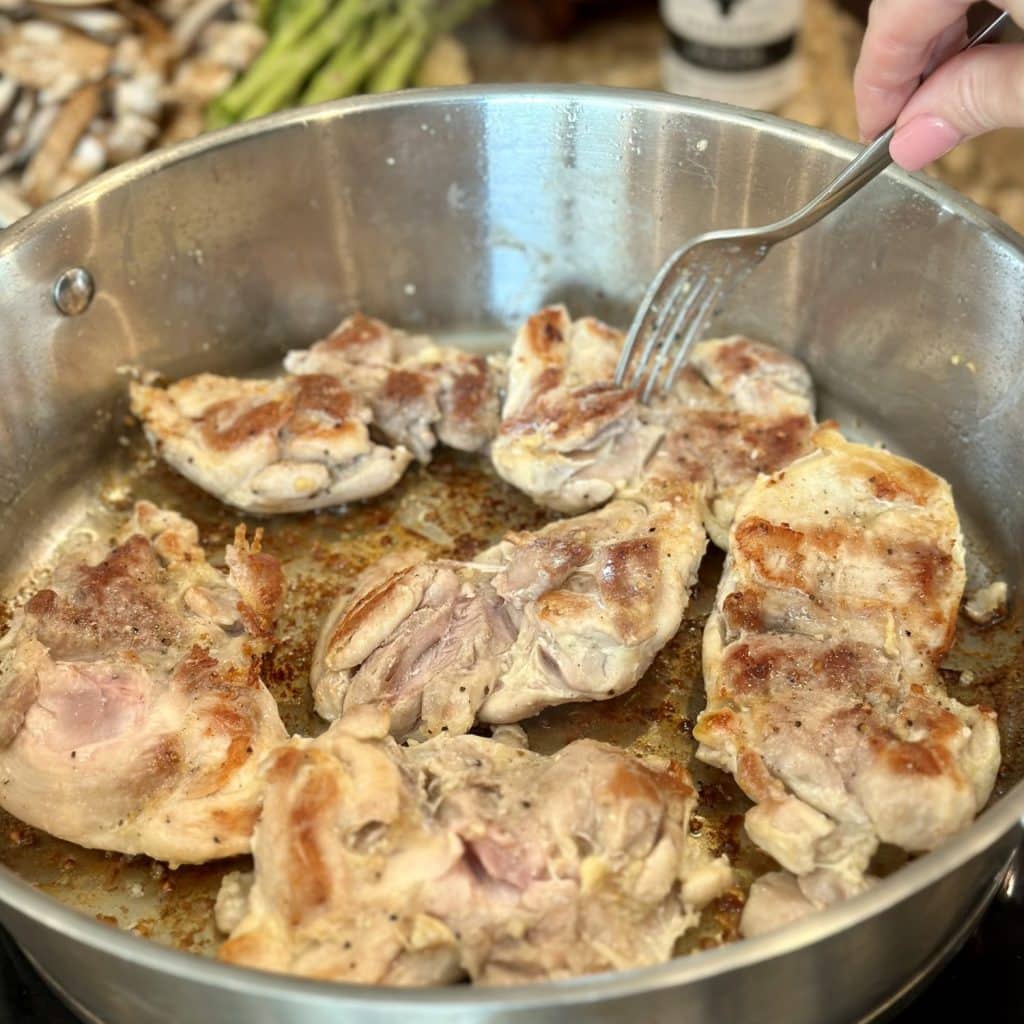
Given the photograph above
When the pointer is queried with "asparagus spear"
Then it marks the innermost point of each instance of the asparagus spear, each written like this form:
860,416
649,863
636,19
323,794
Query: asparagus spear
266,12
284,11
398,68
294,18
396,72
335,82
348,51
290,70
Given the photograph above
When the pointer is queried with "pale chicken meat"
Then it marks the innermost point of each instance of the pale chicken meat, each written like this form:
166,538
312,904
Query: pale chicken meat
132,713
575,611
423,640
839,600
420,392
569,437
268,446
465,857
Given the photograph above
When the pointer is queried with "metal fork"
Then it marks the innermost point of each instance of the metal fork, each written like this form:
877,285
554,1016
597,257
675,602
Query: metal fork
704,271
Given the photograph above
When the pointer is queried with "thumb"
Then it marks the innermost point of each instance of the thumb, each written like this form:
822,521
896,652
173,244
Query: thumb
973,93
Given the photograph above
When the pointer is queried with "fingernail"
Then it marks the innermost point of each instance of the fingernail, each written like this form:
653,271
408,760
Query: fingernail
921,140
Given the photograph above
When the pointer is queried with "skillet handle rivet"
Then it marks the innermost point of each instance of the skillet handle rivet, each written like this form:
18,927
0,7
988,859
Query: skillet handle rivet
73,291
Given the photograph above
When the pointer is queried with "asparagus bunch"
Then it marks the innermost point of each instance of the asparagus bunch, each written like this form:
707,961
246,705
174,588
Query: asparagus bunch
321,50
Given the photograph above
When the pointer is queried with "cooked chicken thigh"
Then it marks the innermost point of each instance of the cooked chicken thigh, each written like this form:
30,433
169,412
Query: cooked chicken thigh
268,446
839,600
378,864
569,438
132,715
420,392
739,409
422,640
573,612
756,378
593,599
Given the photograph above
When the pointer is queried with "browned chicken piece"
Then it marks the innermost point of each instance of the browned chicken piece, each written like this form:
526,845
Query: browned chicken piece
132,714
420,392
593,599
576,611
739,409
571,440
755,377
569,437
463,858
838,601
268,446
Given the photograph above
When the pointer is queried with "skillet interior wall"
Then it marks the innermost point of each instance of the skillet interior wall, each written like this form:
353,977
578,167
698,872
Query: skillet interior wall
451,217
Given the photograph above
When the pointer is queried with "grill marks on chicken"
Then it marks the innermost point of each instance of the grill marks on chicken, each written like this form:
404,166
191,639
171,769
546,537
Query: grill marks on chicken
465,857
838,602
569,438
576,611
132,714
420,392
268,446
739,409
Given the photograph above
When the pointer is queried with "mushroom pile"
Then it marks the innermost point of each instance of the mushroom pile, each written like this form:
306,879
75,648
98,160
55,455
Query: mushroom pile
85,86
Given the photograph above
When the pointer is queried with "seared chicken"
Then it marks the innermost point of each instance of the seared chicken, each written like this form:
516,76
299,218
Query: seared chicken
573,612
838,602
132,714
571,440
593,599
269,446
569,437
465,857
420,392
740,408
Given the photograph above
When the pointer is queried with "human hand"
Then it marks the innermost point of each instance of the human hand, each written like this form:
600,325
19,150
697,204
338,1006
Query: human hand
974,92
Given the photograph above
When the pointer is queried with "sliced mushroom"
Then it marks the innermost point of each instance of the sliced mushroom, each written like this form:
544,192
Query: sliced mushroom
12,206
193,20
52,58
40,180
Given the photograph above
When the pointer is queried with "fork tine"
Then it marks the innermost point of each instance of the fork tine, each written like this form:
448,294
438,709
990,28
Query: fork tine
667,333
646,320
673,308
670,294
693,331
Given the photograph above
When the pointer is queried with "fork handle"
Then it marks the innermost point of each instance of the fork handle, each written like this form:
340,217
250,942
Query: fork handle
866,167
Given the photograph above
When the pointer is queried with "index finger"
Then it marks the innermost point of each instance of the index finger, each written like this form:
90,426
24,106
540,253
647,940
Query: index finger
901,38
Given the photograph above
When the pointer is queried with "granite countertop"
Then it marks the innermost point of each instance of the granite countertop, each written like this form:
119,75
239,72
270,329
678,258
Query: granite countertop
624,51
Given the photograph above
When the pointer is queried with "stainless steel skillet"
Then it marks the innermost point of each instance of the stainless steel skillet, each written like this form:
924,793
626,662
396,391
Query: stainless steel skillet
461,212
